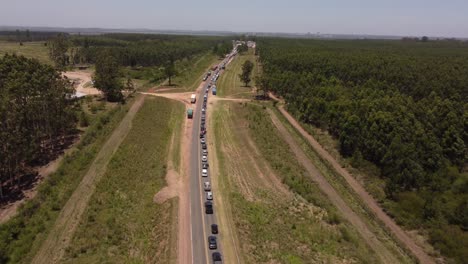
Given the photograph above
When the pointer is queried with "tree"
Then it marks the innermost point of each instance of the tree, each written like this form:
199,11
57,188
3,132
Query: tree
58,48
107,77
247,68
130,86
170,70
424,39
28,35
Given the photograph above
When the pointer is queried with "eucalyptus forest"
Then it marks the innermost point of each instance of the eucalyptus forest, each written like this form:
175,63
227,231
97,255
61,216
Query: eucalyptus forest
398,106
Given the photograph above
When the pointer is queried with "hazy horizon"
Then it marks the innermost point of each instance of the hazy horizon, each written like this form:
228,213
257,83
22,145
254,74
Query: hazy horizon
398,18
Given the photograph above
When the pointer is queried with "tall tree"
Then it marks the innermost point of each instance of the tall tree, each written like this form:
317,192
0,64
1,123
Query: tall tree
170,70
107,76
58,48
28,35
247,68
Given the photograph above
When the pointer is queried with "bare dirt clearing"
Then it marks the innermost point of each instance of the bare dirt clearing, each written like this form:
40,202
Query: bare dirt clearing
82,79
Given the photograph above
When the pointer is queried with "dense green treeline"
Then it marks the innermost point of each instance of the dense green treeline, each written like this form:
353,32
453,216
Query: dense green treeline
36,114
401,106
142,49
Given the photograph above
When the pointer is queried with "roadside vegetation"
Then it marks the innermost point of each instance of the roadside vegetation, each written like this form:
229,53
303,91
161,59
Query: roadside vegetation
229,84
22,235
398,111
287,220
122,223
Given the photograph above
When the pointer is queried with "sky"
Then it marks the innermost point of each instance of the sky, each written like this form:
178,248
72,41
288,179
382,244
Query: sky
439,18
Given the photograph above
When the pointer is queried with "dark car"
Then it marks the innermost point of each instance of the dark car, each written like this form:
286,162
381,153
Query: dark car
214,229
216,257
212,242
208,207
205,165
203,146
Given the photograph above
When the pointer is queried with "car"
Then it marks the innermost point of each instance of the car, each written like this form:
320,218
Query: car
209,85
204,158
202,140
214,229
208,207
203,146
216,256
204,173
205,165
203,110
207,186
205,152
212,242
209,195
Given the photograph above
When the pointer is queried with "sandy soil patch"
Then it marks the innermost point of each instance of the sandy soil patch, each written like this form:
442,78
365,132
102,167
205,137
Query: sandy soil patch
81,78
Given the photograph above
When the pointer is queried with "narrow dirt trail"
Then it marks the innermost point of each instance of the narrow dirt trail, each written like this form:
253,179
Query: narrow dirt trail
53,248
384,254
415,249
184,240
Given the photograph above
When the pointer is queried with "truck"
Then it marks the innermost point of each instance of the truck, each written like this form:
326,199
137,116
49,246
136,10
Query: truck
190,113
213,91
193,98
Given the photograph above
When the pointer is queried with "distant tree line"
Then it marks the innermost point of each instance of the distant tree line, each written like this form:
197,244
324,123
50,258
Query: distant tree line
27,35
400,106
35,113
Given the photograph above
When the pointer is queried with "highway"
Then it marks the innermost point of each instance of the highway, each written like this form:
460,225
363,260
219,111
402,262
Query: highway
200,221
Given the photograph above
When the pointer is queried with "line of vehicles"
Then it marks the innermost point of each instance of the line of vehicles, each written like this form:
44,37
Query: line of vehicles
206,184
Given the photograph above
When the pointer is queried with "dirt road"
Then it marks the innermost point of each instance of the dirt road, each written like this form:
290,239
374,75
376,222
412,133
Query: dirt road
59,238
385,255
184,240
415,249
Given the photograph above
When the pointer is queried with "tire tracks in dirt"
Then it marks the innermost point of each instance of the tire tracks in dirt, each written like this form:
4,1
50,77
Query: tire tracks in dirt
58,239
384,254
396,230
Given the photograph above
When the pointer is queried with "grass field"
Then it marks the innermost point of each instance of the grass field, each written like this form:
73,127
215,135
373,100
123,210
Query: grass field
229,84
191,71
122,224
275,224
347,194
21,237
35,50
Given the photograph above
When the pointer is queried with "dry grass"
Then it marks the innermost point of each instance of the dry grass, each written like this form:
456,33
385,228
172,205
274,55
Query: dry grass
35,50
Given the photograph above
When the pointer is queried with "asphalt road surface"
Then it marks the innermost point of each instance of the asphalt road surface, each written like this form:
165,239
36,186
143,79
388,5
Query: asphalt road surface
200,221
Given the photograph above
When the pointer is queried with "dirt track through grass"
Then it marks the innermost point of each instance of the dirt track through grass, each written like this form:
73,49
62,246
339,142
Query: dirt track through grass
268,222
385,255
60,236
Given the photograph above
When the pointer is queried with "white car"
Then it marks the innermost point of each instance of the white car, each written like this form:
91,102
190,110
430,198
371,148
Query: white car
207,186
204,158
209,195
204,173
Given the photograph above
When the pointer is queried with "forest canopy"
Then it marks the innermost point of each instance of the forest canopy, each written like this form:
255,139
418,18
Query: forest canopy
35,111
401,106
